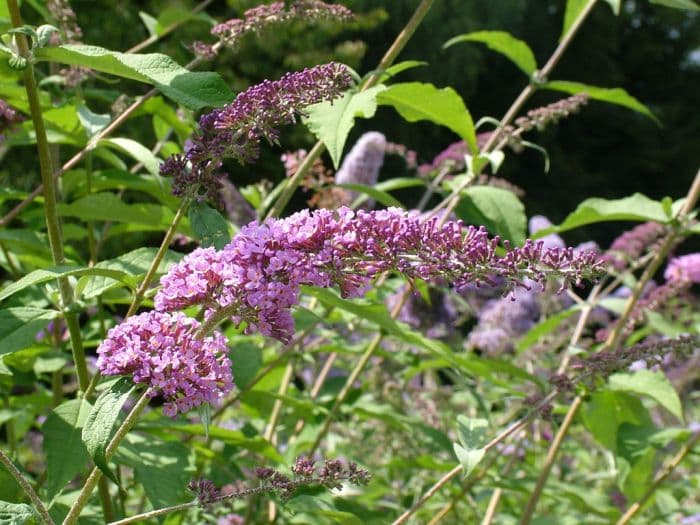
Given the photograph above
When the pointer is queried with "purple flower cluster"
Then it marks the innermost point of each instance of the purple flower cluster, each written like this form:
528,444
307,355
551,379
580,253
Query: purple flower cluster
256,278
264,16
163,350
631,245
503,321
235,131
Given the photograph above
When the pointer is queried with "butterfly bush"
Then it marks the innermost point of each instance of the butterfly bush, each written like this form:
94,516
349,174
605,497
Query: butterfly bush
256,278
165,352
264,16
235,131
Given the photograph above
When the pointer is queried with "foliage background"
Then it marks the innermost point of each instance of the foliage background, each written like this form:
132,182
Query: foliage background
651,51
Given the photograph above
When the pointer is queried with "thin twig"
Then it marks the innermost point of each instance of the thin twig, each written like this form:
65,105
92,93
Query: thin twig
659,479
387,60
27,488
96,473
611,342
451,201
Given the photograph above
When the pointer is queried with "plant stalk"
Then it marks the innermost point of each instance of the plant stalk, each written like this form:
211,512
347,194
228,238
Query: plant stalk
96,474
158,259
659,479
612,341
27,488
53,224
450,202
387,60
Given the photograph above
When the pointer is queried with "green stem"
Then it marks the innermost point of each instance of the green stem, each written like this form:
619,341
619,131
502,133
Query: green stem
612,342
52,222
167,239
92,245
27,488
387,60
450,202
155,513
96,473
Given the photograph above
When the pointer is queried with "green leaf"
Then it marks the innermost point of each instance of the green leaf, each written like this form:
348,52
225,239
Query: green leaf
16,513
136,150
544,327
651,384
149,22
616,96
246,359
606,410
380,191
400,67
615,6
331,122
50,274
472,431
171,16
417,101
109,207
381,197
134,264
209,226
499,210
636,466
377,313
689,5
92,122
504,43
574,9
469,459
194,90
162,467
235,438
636,207
66,454
97,431
472,438
19,326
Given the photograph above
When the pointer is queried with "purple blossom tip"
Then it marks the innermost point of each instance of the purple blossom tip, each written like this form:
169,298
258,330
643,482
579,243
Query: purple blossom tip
162,350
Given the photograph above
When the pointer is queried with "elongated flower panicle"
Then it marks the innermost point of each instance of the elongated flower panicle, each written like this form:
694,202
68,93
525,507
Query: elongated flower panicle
235,131
261,109
162,350
362,163
631,244
256,278
262,17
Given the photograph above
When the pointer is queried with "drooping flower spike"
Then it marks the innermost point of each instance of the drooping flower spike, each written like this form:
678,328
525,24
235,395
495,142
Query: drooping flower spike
235,131
256,278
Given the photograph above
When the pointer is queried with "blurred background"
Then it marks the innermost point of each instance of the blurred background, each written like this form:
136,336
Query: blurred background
607,151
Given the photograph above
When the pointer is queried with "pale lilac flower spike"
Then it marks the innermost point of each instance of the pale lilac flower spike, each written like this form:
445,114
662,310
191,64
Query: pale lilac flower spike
162,351
540,222
362,164
684,269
